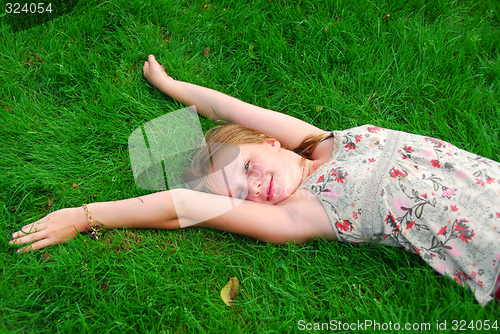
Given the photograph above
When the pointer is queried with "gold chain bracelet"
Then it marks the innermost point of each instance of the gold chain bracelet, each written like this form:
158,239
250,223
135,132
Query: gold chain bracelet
96,225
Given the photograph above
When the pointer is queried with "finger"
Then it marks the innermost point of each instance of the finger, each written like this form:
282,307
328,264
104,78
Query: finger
30,228
24,231
36,245
27,238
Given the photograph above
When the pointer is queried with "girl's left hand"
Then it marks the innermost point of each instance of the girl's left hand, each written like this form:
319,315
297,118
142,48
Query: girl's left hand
57,227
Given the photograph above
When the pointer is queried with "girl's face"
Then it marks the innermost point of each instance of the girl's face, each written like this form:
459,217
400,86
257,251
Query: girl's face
263,173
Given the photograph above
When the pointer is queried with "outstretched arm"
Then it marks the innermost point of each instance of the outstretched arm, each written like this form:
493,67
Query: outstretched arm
288,130
270,223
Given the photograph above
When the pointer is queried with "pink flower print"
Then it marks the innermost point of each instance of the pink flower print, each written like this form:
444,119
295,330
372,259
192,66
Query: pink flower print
358,138
408,148
350,146
398,203
344,225
463,229
498,214
372,160
396,172
426,153
435,163
449,154
490,180
453,208
320,178
442,231
355,215
497,257
480,283
448,192
461,174
480,182
353,205
473,274
453,250
330,192
424,195
374,128
410,225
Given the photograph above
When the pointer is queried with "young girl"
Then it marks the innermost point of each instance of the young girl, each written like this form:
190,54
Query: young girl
296,182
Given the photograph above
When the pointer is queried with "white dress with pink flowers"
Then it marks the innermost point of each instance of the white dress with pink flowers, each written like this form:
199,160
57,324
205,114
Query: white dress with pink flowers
419,193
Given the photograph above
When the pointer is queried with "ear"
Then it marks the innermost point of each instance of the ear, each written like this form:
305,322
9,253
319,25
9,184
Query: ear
274,143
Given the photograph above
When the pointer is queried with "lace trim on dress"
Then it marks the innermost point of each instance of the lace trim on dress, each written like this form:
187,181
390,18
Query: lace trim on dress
370,221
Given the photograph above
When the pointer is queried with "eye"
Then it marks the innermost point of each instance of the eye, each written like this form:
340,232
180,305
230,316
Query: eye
247,166
240,194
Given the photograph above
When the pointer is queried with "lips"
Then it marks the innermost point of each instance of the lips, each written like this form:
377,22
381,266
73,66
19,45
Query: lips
270,190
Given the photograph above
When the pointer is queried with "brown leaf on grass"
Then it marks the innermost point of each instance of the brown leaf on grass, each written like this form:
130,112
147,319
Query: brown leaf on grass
7,108
207,6
229,292
386,17
35,58
46,256
207,51
371,97
75,185
49,201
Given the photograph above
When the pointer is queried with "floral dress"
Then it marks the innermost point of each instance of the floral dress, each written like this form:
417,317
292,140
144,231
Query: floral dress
419,193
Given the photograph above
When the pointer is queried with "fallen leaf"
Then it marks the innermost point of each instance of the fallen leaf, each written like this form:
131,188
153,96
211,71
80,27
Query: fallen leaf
75,185
386,17
319,108
371,97
229,292
207,6
46,256
49,201
7,108
207,51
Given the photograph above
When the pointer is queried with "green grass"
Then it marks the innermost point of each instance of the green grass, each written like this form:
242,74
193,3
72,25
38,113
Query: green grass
432,68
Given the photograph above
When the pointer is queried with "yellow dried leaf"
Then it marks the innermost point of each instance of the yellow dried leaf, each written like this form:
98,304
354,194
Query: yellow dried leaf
207,51
229,292
386,17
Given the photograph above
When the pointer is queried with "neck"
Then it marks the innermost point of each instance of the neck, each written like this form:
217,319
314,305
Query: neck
307,167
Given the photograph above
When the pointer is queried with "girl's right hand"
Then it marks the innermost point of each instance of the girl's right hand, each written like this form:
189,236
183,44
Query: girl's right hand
57,227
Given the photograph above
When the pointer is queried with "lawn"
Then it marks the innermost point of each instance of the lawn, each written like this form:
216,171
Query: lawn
72,92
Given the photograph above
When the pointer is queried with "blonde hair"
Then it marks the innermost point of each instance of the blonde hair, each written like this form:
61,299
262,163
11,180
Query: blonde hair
233,134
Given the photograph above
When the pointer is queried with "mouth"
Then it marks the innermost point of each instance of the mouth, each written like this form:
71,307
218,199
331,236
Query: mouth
270,190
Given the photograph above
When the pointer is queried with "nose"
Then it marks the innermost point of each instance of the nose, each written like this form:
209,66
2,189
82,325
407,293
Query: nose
254,186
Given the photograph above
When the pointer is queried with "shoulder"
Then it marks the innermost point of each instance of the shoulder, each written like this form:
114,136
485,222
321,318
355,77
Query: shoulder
324,150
